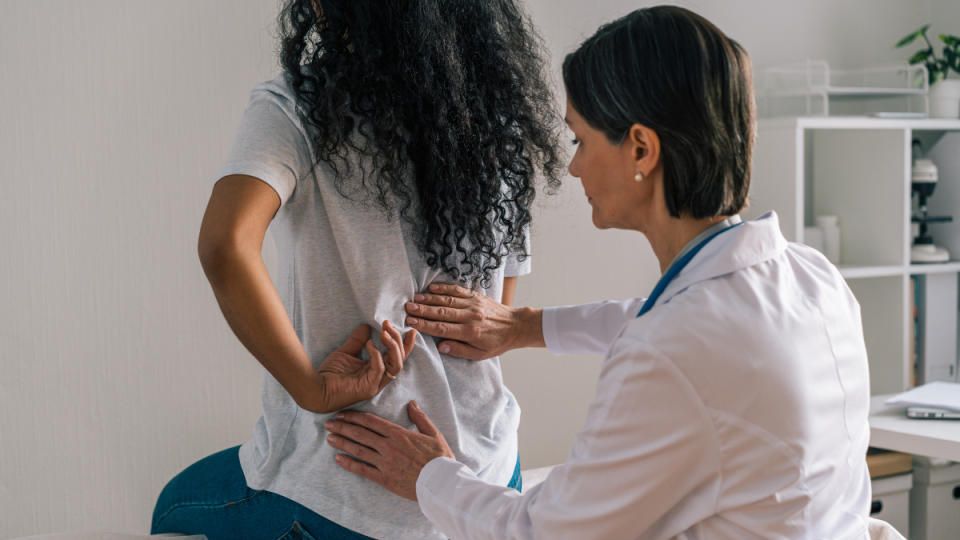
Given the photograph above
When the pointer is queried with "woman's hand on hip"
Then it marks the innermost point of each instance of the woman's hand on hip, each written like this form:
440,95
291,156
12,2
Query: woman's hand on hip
344,378
473,325
384,452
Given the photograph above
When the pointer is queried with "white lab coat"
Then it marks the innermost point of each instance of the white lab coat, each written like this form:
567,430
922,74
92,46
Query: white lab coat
736,408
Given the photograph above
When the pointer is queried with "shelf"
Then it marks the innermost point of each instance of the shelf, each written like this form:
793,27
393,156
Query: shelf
861,272
873,92
934,268
854,92
861,122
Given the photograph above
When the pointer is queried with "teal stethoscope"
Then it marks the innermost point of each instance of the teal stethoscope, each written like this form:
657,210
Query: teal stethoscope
675,269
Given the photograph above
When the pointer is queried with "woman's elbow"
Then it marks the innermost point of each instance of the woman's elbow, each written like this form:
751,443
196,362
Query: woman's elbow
208,249
216,251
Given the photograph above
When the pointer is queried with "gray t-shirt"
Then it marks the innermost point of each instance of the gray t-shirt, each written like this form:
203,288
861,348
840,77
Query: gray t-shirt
342,263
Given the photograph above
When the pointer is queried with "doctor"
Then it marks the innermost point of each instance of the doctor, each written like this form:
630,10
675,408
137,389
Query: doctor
733,400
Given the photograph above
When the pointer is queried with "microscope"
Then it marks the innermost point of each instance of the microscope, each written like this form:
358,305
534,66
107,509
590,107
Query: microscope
924,181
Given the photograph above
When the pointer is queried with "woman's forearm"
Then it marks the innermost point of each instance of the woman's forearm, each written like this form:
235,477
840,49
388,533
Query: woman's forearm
229,244
509,290
255,313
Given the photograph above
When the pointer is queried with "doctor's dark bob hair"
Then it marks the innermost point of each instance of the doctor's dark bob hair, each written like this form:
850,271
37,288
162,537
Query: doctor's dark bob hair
674,72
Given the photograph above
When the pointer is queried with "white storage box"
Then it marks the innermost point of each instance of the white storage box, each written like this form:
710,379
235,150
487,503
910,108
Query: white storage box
891,500
935,501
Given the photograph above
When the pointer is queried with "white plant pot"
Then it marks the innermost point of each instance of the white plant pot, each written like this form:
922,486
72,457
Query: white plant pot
945,99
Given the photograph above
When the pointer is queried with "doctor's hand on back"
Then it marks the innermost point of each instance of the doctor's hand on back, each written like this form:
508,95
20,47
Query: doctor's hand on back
472,325
384,452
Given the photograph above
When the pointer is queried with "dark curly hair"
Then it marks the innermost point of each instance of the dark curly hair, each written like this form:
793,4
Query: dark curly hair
448,99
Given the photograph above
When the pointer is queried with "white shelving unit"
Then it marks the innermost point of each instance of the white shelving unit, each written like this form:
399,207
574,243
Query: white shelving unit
858,168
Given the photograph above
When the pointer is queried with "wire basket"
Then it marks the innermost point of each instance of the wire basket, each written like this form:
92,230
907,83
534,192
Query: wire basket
812,88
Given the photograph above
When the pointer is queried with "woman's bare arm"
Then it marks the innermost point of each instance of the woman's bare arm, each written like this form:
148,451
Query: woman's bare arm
230,243
509,290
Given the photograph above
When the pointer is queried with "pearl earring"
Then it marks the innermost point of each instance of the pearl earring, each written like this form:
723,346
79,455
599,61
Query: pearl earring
638,177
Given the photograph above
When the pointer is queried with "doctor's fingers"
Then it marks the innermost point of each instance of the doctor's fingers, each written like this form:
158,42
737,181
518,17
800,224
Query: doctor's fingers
444,300
451,290
439,329
443,314
462,350
355,449
356,433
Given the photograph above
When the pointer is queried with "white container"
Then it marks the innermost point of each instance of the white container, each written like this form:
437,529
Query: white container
945,99
934,501
891,500
830,225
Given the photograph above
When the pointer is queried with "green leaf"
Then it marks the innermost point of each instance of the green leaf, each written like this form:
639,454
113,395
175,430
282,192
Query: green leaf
935,75
943,67
920,56
937,69
951,41
909,39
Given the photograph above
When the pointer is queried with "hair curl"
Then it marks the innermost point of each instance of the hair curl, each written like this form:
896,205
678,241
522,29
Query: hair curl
449,93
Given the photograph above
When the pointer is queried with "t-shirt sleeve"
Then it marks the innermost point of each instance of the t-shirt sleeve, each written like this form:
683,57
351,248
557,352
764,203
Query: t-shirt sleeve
269,145
518,264
587,328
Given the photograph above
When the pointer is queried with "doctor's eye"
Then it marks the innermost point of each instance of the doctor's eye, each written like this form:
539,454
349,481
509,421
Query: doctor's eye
575,142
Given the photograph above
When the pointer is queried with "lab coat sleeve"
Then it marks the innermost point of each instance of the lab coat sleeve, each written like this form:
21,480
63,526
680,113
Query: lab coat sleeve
587,328
644,466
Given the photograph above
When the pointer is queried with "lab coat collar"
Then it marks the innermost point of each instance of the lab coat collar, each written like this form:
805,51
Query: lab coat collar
751,243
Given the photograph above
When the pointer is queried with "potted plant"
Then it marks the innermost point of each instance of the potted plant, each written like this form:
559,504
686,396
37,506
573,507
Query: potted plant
944,91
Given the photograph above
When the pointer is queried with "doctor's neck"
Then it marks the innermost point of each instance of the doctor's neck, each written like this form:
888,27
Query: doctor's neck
669,235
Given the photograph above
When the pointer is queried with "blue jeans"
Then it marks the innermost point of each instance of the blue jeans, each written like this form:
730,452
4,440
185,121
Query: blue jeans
211,497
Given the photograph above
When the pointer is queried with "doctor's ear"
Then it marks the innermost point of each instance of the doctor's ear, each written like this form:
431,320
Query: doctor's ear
644,146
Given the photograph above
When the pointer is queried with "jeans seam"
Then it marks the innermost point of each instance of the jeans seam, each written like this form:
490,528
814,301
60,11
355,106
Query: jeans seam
202,505
296,526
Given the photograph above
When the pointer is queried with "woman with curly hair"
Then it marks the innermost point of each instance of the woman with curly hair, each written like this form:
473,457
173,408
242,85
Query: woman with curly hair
407,131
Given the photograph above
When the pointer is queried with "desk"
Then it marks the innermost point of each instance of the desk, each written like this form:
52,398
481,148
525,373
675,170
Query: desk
892,430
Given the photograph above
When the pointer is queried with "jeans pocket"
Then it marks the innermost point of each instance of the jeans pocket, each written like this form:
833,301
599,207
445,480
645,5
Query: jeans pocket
296,532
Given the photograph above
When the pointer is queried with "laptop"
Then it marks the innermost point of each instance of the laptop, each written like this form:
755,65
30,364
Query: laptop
929,413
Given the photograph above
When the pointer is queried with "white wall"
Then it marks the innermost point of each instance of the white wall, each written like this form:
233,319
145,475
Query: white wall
945,15
116,368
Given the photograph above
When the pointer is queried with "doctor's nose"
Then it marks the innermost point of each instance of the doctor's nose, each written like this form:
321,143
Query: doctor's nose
573,168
